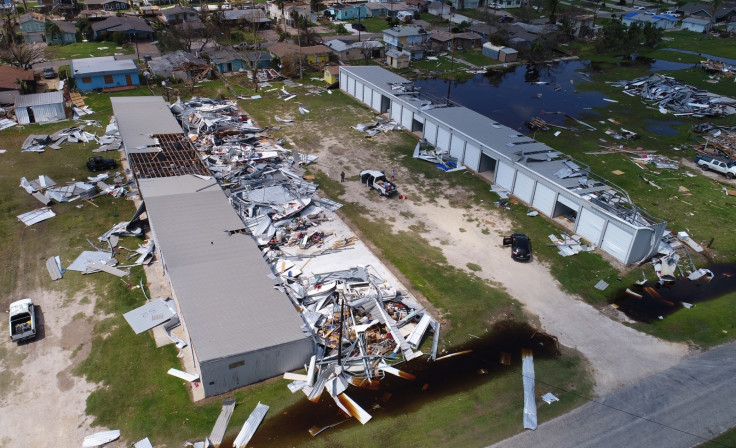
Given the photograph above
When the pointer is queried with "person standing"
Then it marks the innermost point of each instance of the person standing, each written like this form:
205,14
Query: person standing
342,177
393,175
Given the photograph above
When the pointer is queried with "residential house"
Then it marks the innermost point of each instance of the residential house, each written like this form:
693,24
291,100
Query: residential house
135,27
700,10
13,81
419,5
413,39
301,8
167,66
504,4
332,75
344,11
579,22
106,5
397,59
178,14
348,50
228,59
314,54
663,21
696,24
394,8
40,107
484,30
376,9
104,73
726,13
439,9
246,17
522,35
464,4
66,33
499,53
441,40
33,27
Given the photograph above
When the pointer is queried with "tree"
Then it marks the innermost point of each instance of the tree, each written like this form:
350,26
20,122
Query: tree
53,31
315,5
553,4
280,5
84,27
22,54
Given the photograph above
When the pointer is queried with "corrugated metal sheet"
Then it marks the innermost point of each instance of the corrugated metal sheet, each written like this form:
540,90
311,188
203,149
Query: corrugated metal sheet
151,314
145,443
530,403
106,65
21,114
250,426
35,216
218,432
48,112
100,438
39,99
139,117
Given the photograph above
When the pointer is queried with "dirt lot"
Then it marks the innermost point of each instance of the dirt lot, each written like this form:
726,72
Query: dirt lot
618,354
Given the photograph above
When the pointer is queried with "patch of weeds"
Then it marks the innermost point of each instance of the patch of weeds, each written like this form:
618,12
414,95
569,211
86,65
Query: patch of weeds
444,243
391,219
486,231
474,267
462,230
420,226
85,301
76,351
79,315
406,214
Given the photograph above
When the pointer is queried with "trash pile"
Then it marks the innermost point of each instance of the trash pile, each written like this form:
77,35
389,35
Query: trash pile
375,128
110,141
672,96
441,159
720,138
569,245
719,68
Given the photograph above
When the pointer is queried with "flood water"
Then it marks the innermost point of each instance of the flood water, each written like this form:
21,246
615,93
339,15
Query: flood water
664,300
704,55
514,96
660,127
394,397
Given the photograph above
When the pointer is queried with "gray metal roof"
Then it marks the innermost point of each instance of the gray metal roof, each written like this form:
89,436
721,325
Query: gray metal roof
104,65
374,74
139,117
39,99
228,303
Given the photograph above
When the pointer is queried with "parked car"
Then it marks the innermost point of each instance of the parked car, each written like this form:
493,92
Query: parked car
48,73
639,8
521,246
358,27
97,163
377,180
723,166
22,320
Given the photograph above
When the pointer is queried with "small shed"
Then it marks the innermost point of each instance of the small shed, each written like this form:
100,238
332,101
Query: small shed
40,107
499,53
332,74
696,24
397,59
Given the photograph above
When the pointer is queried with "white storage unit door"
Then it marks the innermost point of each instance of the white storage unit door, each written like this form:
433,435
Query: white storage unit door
590,226
406,116
457,147
523,187
367,95
344,82
544,199
505,175
430,132
376,101
396,111
359,90
472,156
443,139
617,240
351,86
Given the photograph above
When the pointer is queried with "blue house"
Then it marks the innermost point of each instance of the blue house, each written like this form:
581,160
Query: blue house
104,73
230,60
65,33
663,21
342,11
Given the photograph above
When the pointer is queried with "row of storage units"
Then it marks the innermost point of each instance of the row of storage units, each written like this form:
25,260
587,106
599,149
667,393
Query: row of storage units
483,145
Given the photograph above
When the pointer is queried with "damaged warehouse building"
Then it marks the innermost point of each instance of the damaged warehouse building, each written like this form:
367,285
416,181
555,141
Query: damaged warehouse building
238,328
543,178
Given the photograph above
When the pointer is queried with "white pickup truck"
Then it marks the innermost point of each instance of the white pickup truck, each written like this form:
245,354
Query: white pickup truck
22,320
725,167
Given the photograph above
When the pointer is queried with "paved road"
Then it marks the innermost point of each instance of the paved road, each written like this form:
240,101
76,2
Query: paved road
678,408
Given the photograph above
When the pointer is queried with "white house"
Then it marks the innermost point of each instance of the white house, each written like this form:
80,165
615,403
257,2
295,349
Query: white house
696,24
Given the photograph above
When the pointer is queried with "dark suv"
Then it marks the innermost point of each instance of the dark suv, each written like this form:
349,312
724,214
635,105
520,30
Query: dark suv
521,246
97,163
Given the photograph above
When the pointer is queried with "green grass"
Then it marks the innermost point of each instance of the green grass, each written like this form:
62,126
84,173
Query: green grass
727,439
372,24
86,50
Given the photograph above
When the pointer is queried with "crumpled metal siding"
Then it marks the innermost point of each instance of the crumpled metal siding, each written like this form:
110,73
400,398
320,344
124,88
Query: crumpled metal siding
530,404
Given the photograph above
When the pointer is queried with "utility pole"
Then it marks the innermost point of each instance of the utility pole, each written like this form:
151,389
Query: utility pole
452,65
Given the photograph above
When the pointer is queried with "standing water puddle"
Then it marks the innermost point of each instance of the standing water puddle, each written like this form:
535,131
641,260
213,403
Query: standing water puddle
393,397
659,300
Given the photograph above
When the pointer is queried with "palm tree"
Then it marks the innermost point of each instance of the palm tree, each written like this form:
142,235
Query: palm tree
280,5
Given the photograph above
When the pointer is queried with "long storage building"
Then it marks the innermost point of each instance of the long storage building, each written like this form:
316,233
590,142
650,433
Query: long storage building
240,329
545,179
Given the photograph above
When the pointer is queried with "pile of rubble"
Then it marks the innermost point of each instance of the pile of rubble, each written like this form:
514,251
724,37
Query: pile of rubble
375,128
362,326
672,96
110,141
720,138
